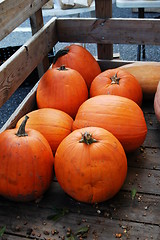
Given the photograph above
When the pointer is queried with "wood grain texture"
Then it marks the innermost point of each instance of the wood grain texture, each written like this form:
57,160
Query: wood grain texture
109,31
101,225
104,10
18,67
36,22
13,13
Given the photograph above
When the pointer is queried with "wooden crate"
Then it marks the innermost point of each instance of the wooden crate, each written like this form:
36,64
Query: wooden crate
121,217
49,4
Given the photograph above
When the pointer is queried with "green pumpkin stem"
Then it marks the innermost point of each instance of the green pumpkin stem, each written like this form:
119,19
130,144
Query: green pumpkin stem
60,53
114,79
21,131
87,138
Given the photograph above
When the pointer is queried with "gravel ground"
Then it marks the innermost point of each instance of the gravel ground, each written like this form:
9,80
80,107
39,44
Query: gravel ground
127,52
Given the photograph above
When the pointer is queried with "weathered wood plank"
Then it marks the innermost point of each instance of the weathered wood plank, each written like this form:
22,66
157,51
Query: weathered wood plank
152,139
147,158
38,227
104,10
151,120
18,67
36,22
144,180
13,237
99,228
13,13
120,207
107,31
107,218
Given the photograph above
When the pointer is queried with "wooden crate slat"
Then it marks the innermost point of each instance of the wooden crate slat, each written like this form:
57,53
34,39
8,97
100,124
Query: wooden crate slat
13,13
144,180
109,31
152,139
21,222
18,67
152,122
146,158
14,237
104,10
120,210
125,207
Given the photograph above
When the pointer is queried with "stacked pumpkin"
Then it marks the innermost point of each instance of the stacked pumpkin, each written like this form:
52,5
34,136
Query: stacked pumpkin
90,119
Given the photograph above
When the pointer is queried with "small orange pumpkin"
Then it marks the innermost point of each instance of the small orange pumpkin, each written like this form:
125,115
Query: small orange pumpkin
117,82
94,165
79,58
62,88
26,161
119,115
52,123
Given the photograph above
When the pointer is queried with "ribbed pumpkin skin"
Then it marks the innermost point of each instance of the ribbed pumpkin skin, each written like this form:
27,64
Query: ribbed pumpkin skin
65,90
26,165
119,115
91,173
53,124
127,85
80,59
157,102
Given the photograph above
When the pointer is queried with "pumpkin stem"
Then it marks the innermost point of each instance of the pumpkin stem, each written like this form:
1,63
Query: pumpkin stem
21,131
62,68
60,53
87,138
114,79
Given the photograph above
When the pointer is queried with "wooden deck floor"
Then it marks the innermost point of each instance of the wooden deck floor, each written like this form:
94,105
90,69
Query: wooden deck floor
126,216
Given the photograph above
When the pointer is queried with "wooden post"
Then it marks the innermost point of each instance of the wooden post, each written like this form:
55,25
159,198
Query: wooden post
36,22
104,10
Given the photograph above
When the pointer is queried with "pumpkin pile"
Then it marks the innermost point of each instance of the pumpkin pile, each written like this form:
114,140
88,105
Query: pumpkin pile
86,122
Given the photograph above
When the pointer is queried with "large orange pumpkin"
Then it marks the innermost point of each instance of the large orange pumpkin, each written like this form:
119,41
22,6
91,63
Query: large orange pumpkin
117,82
62,88
26,164
94,165
79,58
119,115
52,123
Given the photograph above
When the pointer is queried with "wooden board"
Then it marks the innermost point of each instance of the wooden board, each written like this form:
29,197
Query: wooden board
13,13
126,31
18,67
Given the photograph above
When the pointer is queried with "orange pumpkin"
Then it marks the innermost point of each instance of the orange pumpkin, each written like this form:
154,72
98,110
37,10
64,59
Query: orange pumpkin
117,82
26,161
119,115
62,88
80,59
52,123
94,165
157,102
